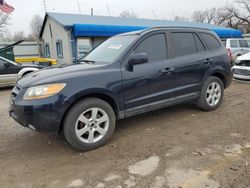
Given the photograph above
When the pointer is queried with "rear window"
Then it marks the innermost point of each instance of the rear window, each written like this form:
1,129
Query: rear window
211,41
243,44
234,44
184,44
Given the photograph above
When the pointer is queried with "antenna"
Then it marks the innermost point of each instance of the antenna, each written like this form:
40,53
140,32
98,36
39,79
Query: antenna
44,4
79,8
108,9
154,15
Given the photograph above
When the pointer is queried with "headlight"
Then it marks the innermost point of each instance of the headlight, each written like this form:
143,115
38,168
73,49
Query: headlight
43,91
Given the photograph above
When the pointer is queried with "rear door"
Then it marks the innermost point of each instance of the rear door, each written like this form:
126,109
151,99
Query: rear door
191,62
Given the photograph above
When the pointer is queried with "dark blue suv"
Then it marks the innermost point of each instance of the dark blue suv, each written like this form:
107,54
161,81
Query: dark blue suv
126,75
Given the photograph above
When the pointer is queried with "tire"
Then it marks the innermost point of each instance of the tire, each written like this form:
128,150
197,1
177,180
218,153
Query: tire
89,124
212,94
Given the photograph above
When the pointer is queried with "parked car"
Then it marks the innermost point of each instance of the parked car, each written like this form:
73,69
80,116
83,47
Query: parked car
237,47
11,71
241,69
126,75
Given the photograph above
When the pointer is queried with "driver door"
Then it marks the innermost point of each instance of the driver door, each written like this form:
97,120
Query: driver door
149,86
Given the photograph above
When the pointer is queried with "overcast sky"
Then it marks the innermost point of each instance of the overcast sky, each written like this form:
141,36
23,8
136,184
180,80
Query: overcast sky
164,9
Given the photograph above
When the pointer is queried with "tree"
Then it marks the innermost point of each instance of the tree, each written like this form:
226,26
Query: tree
128,14
35,26
204,16
4,21
19,36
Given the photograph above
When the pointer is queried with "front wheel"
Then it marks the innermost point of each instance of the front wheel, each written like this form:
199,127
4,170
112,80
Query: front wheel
212,94
89,124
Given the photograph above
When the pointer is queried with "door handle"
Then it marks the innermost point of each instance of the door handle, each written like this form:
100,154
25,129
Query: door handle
208,61
166,71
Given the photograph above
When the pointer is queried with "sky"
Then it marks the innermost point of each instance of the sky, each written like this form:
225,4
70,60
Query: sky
163,9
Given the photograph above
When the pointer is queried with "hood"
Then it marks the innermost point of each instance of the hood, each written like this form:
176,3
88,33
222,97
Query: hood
56,74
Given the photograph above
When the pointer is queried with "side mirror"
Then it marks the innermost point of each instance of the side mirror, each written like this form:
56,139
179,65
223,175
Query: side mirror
136,59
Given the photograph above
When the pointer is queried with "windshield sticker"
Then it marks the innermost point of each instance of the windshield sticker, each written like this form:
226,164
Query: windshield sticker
115,46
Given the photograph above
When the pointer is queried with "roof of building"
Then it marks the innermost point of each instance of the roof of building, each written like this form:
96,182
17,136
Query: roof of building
128,24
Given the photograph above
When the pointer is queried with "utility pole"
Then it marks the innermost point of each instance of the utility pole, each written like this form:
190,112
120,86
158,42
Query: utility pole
108,9
44,4
79,8
92,11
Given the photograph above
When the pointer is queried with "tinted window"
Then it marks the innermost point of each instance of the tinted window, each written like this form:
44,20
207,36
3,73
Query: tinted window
234,44
211,41
184,44
199,45
243,63
243,44
154,46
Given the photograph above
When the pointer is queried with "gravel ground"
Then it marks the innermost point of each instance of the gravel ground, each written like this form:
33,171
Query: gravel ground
176,147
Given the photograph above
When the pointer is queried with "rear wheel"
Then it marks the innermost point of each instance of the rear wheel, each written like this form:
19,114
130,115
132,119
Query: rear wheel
211,94
89,124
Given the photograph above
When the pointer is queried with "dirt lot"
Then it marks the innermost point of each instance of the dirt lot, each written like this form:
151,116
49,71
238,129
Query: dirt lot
179,146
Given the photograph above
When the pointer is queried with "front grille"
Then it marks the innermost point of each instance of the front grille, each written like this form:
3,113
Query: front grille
241,72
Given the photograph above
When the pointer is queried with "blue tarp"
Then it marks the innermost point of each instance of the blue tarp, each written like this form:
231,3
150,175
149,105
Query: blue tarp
94,30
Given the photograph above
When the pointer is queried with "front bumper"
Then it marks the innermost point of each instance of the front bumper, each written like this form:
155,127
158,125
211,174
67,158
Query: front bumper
43,115
241,77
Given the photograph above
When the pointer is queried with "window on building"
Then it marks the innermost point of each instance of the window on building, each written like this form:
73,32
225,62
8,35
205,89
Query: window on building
184,44
84,45
59,49
155,47
47,50
211,41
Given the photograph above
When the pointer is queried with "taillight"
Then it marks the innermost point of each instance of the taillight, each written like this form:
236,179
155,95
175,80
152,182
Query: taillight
230,55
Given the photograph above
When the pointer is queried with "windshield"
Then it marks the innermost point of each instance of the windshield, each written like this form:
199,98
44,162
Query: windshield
110,50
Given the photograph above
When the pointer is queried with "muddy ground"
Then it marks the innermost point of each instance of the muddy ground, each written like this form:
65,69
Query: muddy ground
179,146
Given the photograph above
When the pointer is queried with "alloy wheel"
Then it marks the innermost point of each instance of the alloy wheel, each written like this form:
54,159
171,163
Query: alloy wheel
92,125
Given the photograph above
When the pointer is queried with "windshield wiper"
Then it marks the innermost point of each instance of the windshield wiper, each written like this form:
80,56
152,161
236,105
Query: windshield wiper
88,61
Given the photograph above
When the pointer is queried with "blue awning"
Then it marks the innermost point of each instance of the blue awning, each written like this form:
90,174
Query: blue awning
94,30
91,30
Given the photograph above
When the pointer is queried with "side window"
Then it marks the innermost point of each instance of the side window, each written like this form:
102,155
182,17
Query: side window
243,44
59,49
211,41
200,47
234,44
154,46
184,43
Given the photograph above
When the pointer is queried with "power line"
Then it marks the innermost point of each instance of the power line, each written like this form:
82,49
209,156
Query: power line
155,16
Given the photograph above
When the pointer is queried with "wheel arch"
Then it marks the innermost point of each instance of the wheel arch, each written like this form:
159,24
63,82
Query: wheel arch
98,94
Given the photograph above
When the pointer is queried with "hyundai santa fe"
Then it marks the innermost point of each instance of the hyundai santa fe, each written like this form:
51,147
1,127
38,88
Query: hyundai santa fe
126,75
